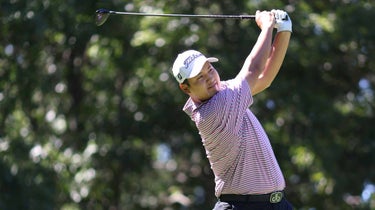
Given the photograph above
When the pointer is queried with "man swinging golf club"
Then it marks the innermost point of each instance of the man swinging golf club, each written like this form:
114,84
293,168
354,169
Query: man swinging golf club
247,175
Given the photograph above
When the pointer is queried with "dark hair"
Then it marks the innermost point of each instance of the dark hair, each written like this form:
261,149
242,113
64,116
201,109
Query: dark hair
186,82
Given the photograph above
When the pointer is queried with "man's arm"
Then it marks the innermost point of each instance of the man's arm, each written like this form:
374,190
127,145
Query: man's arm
274,62
279,48
256,60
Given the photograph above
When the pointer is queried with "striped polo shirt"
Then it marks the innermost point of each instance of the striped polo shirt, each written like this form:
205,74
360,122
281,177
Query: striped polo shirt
237,147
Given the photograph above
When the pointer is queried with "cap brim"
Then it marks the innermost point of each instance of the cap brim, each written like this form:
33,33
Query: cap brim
212,59
198,67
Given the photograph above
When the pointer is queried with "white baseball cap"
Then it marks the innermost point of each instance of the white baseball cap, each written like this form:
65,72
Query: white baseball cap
188,64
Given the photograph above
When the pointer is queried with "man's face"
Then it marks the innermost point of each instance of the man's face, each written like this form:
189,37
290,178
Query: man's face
203,86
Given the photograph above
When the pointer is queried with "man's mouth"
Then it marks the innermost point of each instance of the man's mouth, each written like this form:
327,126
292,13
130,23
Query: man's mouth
213,85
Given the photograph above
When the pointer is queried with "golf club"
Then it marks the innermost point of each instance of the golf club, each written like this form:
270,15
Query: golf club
103,14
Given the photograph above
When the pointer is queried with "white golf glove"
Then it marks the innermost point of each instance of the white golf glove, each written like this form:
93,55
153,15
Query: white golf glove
283,21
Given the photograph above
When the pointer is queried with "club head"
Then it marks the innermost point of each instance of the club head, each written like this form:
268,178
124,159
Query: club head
101,16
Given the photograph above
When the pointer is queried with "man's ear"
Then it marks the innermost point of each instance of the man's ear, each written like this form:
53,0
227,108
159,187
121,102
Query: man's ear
185,88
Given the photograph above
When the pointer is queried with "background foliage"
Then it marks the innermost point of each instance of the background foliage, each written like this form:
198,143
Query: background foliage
90,117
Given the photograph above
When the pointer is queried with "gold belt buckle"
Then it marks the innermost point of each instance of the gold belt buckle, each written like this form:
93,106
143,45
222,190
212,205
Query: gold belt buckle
276,197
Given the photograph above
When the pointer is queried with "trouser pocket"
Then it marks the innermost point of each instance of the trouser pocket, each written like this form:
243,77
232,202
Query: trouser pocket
223,206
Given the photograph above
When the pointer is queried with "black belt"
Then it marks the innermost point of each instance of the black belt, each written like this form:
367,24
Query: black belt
274,197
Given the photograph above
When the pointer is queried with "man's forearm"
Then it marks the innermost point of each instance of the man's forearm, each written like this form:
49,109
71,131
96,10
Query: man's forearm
279,48
274,62
256,60
261,51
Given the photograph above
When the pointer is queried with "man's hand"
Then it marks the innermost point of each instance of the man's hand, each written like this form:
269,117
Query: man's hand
265,19
283,21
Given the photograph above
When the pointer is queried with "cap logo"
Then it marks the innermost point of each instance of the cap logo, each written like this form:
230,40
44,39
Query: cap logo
179,76
190,59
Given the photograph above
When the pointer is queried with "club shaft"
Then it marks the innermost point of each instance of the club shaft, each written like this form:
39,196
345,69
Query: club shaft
184,15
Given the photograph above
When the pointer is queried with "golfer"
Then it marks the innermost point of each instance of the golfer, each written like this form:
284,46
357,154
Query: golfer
247,175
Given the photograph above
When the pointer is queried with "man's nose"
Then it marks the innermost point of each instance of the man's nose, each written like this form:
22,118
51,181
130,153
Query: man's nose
209,79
